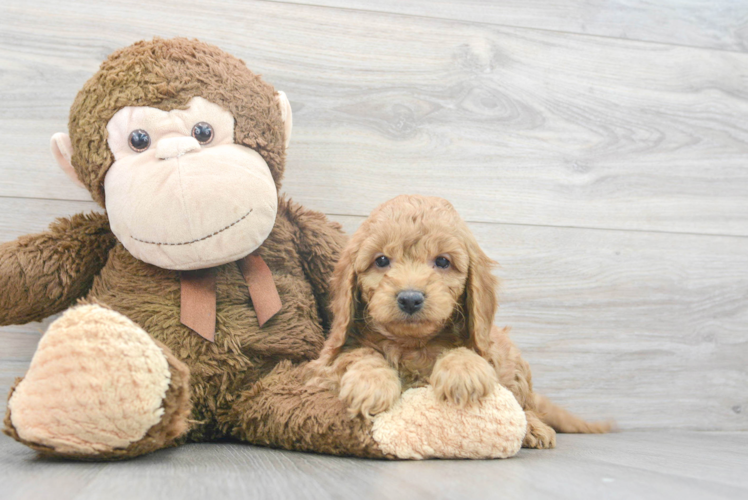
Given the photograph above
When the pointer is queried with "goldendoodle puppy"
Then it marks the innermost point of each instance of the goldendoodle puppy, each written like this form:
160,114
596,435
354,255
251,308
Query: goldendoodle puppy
414,301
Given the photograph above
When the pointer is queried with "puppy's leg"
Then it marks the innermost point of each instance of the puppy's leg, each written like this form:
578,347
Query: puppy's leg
539,434
461,376
369,385
514,374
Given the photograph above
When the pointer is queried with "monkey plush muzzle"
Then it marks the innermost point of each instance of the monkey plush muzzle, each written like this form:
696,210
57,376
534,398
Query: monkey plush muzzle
163,186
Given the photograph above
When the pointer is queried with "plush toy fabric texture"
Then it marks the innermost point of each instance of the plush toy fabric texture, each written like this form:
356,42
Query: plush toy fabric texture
119,375
214,234
419,427
115,370
166,74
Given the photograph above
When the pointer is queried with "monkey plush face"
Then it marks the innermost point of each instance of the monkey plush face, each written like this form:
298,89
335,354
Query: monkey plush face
184,146
180,193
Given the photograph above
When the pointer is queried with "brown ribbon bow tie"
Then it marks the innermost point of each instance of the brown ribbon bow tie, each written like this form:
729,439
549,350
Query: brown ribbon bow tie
198,303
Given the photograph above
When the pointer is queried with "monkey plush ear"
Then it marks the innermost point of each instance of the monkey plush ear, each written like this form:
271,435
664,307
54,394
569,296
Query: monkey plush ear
285,108
62,149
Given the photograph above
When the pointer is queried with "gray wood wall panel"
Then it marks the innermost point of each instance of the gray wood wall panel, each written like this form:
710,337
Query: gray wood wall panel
579,160
701,23
514,125
648,328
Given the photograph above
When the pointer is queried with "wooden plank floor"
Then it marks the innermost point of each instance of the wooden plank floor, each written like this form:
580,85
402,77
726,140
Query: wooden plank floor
641,465
598,148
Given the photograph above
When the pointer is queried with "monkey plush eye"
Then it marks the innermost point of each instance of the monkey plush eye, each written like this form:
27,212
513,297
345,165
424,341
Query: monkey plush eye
203,132
441,262
382,261
139,140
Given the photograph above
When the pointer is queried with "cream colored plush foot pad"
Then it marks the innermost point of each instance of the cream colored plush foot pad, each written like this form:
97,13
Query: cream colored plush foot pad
420,426
96,382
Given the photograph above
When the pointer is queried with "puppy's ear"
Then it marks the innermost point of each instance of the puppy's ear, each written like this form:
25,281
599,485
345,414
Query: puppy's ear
343,303
480,293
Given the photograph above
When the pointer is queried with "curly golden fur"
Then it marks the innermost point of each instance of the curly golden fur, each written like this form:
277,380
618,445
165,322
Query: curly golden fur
380,344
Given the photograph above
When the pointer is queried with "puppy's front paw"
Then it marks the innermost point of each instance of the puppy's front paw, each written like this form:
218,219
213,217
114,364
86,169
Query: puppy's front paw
462,377
368,392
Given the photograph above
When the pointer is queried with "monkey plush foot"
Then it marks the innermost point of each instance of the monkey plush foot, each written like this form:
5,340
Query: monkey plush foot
421,425
99,387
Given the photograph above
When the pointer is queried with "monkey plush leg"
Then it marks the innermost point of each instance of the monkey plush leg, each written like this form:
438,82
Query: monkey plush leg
99,388
283,412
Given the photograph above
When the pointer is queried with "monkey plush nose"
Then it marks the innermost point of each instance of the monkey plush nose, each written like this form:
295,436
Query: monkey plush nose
174,147
410,301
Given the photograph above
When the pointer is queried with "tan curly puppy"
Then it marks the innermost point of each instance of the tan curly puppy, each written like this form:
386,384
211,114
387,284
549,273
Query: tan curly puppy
414,301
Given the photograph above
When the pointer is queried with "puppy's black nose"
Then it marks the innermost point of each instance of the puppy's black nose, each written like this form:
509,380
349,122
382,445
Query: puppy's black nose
410,301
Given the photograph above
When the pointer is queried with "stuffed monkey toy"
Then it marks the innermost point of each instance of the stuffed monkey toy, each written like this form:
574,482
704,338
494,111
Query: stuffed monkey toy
191,305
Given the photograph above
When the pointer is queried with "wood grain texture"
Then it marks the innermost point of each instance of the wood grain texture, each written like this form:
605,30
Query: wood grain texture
700,23
648,328
538,137
513,125
640,465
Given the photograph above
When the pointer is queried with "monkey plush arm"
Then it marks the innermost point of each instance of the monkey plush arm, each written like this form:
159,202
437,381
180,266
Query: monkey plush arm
42,274
319,241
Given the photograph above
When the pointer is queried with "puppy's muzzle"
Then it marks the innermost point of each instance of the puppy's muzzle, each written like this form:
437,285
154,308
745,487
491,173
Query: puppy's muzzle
410,301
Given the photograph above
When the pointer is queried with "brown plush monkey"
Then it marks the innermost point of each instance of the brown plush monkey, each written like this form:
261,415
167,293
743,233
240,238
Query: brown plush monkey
198,293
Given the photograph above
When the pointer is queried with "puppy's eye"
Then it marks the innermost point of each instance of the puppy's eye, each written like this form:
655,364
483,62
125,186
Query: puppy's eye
203,132
139,140
382,261
441,262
